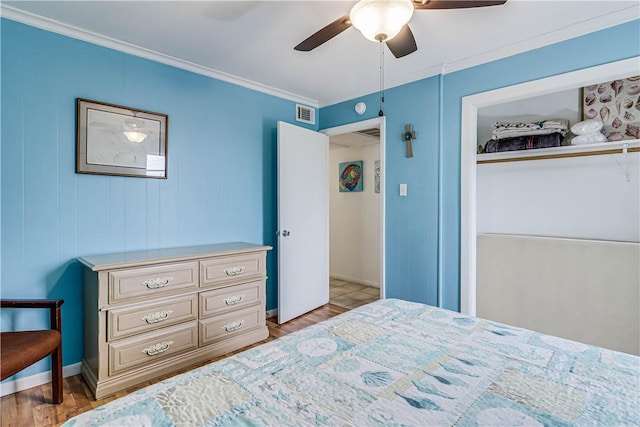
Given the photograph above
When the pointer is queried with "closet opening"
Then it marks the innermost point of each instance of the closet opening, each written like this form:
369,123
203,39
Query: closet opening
567,183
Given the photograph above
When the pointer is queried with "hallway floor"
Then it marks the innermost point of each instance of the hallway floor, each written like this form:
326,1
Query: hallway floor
351,295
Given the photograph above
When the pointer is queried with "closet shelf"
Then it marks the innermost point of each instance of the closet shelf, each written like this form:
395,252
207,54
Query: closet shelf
632,145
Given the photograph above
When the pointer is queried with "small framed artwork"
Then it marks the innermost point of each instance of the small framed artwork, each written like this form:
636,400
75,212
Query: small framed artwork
350,176
116,140
616,104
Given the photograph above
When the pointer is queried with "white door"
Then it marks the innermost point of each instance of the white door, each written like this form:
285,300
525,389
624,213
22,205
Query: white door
303,221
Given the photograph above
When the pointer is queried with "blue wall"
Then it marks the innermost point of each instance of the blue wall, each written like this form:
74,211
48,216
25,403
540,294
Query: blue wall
221,182
415,269
411,222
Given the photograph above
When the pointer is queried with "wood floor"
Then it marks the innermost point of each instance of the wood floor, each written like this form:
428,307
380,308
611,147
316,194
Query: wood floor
31,408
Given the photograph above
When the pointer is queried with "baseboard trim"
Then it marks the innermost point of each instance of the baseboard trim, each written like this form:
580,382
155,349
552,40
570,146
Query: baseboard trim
355,280
20,384
272,313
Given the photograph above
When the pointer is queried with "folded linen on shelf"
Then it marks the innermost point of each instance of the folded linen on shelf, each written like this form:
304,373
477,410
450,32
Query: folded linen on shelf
545,127
526,142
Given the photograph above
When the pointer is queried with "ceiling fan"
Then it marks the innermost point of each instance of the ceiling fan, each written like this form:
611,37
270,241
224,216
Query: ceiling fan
386,21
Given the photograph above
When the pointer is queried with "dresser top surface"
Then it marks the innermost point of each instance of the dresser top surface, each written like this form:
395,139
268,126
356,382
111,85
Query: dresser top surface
132,259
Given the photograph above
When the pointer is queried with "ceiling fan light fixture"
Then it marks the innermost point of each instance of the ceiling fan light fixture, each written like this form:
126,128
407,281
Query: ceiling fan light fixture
381,20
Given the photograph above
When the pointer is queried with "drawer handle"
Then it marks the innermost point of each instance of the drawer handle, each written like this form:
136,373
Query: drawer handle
235,270
234,300
234,326
158,316
158,282
158,348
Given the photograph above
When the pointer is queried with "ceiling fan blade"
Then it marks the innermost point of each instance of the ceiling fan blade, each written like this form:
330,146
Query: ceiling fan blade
455,4
403,44
324,34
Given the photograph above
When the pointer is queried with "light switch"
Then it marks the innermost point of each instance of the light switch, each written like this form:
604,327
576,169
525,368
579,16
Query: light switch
403,189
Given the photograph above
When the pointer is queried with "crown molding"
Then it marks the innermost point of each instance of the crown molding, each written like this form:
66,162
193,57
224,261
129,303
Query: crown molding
571,31
57,27
574,30
362,91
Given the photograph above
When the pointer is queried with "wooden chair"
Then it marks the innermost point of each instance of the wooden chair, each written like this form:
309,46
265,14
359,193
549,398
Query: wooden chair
21,349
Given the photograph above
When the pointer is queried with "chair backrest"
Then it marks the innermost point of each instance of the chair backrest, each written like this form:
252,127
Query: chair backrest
20,349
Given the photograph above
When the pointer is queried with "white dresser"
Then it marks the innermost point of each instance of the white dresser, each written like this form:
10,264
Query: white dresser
150,313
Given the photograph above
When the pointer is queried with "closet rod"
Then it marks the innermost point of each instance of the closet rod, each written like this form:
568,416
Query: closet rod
561,155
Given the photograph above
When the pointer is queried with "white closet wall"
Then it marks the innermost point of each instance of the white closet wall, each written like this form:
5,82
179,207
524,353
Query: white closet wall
595,197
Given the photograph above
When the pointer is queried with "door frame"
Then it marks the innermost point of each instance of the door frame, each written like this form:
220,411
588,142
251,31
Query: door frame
468,152
380,123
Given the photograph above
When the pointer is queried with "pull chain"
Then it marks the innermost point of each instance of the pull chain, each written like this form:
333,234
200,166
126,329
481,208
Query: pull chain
381,113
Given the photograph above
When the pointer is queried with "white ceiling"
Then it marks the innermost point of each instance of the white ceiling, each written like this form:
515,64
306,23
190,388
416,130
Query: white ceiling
351,140
254,40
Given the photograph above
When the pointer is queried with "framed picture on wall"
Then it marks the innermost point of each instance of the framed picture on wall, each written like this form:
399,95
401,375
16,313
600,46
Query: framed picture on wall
616,104
116,140
350,176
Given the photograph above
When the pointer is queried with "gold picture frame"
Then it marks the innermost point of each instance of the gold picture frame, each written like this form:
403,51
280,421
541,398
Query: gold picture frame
116,140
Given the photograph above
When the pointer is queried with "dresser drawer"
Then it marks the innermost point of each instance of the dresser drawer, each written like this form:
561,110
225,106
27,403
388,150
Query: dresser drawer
229,298
130,320
227,325
216,271
148,348
151,282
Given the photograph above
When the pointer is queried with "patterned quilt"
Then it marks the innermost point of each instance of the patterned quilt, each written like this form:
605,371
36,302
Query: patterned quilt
394,362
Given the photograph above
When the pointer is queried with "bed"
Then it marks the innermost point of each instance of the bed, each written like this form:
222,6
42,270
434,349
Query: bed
394,362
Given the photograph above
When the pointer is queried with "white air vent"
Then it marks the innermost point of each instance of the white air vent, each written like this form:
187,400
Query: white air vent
305,114
373,132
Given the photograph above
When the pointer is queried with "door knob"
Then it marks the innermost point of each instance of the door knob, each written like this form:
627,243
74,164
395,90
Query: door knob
284,233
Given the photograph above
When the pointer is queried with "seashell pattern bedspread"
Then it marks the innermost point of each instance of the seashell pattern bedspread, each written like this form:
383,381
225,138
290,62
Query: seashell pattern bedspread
394,362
